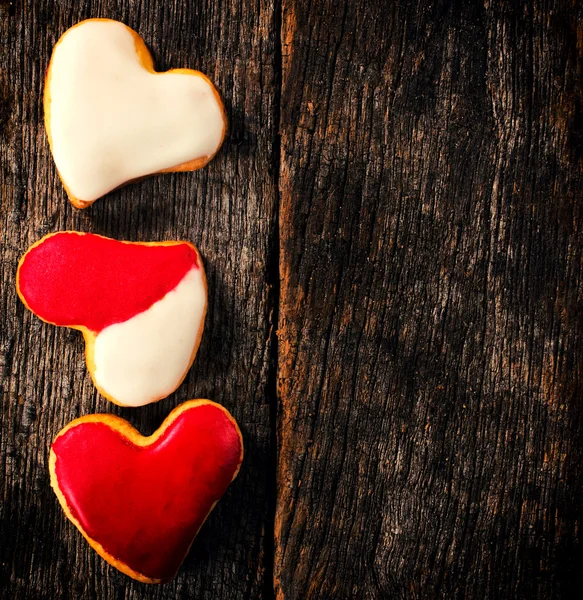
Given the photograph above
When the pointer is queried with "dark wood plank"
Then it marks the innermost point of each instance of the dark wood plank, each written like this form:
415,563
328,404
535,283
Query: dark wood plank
228,210
431,316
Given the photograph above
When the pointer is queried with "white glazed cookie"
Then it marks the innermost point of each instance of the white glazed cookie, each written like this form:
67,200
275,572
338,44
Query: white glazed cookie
110,118
140,306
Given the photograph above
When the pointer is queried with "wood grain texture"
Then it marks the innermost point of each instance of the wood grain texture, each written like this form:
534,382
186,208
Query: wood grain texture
431,314
429,304
227,209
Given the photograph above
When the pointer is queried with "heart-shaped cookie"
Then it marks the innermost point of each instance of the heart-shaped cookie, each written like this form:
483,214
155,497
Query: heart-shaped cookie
140,501
110,118
140,307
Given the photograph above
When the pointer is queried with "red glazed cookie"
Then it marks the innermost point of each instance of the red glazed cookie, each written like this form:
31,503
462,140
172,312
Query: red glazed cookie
140,501
140,307
111,118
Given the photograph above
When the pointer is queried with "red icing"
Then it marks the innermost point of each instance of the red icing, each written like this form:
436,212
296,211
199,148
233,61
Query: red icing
85,279
144,505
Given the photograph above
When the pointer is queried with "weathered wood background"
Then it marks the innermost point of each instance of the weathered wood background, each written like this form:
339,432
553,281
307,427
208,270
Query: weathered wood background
393,234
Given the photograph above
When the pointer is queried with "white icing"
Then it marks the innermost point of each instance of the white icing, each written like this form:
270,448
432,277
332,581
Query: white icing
112,121
145,358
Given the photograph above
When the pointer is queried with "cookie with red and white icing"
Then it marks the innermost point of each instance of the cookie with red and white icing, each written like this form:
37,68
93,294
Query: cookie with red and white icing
140,307
140,501
111,118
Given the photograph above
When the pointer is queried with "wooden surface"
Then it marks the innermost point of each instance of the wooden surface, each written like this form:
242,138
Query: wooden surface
228,210
431,434
400,199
